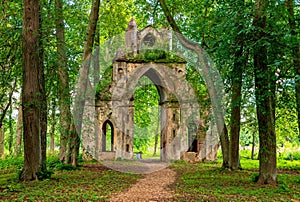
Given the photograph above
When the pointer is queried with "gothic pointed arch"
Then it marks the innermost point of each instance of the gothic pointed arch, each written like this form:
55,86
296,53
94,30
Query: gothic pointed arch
107,136
146,54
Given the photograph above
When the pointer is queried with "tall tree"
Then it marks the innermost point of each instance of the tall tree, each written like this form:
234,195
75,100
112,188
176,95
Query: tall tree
10,128
19,132
85,69
31,90
53,125
2,142
212,90
156,133
43,96
264,100
9,103
295,46
63,87
237,76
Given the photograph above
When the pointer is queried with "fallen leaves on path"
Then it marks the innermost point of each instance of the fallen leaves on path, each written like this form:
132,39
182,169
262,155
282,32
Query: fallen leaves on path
154,187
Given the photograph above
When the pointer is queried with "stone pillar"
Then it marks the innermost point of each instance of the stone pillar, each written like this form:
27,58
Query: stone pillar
170,133
131,38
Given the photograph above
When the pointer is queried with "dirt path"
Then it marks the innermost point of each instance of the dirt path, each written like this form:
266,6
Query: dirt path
154,187
143,166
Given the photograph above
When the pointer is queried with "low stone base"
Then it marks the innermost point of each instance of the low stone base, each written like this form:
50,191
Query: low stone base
104,156
190,157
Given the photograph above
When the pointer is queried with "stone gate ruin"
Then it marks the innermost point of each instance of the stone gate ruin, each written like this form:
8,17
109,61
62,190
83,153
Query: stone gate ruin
148,54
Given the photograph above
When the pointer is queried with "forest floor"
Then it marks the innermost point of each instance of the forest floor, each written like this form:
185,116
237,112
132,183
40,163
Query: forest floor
179,181
141,166
153,187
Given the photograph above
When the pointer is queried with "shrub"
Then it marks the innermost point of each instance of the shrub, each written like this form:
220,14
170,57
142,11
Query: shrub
67,167
297,179
255,177
46,174
296,156
283,188
11,162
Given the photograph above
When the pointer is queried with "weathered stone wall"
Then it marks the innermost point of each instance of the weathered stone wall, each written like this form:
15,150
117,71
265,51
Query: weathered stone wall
177,100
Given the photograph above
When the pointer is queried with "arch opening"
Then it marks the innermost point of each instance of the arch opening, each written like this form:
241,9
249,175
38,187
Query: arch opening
176,102
107,136
147,118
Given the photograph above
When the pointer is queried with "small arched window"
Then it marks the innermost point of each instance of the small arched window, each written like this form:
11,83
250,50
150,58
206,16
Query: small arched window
107,136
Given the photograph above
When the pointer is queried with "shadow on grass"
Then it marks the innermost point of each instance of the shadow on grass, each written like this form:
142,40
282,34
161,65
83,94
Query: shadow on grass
207,182
92,182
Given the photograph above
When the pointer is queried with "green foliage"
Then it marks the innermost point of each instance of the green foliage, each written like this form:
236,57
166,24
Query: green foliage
158,56
53,163
67,167
288,165
146,115
103,86
246,154
283,188
46,174
283,184
292,155
115,16
255,177
196,81
297,179
11,163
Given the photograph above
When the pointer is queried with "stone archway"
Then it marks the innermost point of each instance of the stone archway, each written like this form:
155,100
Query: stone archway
107,139
177,100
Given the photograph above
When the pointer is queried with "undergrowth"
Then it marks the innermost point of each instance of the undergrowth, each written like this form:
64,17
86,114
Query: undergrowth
194,182
208,182
67,183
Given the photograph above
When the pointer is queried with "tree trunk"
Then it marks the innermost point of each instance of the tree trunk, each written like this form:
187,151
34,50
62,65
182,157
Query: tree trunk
10,129
156,133
52,129
235,118
253,144
296,55
75,144
4,111
266,122
97,60
237,77
31,91
2,141
85,69
19,132
52,140
43,101
63,87
212,90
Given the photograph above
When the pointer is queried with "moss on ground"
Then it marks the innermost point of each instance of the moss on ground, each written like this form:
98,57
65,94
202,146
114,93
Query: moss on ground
194,182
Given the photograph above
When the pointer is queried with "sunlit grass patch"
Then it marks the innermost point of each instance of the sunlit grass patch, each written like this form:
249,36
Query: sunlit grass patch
208,182
87,183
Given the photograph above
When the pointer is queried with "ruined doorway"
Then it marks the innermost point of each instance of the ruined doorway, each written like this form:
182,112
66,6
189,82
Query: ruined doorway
108,136
147,118
147,53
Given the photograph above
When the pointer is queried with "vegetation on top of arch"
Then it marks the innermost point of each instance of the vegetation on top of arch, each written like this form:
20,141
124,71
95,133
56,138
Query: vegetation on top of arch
102,89
157,56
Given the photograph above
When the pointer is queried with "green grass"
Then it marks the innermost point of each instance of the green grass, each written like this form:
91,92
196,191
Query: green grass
92,182
150,156
195,182
207,182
